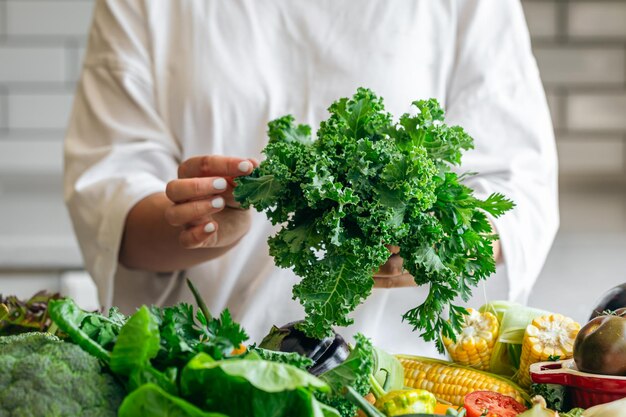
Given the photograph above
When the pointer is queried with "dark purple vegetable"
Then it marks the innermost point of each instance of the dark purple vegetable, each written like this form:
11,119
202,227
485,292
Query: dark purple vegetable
600,346
611,300
326,353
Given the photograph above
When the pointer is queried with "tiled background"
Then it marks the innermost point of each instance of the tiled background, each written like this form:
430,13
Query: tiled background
580,47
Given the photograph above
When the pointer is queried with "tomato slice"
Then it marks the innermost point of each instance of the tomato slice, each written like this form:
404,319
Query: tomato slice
493,403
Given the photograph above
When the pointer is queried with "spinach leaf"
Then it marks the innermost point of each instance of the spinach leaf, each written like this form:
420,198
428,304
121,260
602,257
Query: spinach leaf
69,318
147,374
137,343
151,401
262,388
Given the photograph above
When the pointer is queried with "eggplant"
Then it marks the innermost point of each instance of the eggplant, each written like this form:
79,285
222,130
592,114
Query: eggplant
600,346
611,300
326,353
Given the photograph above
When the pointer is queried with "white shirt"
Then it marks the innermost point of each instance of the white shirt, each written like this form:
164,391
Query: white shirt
166,80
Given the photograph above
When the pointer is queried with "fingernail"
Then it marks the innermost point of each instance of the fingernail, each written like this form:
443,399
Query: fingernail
217,202
245,166
220,184
209,228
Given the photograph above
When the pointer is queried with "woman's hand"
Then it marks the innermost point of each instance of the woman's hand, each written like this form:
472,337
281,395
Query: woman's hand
204,206
392,273
196,219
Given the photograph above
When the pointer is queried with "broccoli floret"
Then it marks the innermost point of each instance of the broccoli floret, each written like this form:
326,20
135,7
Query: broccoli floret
42,376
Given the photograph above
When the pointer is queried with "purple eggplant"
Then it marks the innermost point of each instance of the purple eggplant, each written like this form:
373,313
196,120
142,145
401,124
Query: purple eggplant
611,300
326,353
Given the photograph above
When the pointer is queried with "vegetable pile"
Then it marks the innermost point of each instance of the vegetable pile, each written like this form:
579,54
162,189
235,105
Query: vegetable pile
174,361
365,183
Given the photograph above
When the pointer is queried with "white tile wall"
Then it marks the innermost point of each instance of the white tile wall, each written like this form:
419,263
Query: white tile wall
573,65
48,18
32,64
2,18
591,155
554,102
597,111
39,111
580,46
43,155
541,18
596,18
4,108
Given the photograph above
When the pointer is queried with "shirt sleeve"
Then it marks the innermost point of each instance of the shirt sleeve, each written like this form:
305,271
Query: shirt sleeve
495,93
117,149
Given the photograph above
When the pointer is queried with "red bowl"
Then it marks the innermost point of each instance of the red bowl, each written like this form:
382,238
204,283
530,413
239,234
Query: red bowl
586,389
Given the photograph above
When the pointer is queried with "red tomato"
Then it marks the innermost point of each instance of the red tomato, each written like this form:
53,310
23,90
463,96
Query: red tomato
496,405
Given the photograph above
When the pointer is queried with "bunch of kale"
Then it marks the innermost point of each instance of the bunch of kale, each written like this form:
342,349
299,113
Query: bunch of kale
365,183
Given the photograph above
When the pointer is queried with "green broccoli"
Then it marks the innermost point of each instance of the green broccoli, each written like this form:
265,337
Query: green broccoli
42,376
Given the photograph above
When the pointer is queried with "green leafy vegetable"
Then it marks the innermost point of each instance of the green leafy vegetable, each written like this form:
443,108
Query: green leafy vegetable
262,388
69,318
21,316
388,370
151,401
137,343
42,376
367,182
103,329
289,358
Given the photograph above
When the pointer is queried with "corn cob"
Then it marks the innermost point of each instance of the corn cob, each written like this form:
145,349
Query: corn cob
546,338
450,382
474,345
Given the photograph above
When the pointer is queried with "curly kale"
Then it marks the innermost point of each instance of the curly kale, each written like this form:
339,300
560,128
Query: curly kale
42,376
365,183
289,358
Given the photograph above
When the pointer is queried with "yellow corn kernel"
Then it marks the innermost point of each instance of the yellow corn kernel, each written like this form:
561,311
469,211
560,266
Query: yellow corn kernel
450,382
547,337
474,344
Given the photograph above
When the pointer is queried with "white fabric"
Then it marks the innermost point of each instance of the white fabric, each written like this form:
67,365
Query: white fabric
165,80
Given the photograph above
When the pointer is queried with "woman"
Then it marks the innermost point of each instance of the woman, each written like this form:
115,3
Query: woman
174,100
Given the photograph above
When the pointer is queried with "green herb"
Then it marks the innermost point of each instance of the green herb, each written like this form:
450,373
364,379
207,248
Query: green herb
367,182
103,329
554,394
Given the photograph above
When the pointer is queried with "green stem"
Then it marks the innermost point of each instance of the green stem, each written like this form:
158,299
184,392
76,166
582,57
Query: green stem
375,387
53,328
201,304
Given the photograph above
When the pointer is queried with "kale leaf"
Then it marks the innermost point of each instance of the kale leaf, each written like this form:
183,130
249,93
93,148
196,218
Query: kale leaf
365,183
